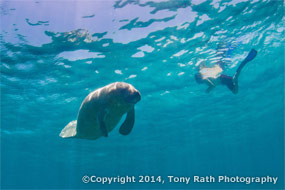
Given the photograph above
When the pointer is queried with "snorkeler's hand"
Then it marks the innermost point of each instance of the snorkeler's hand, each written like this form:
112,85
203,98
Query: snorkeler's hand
208,90
210,82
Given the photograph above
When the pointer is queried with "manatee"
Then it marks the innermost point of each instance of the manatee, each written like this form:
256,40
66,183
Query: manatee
102,110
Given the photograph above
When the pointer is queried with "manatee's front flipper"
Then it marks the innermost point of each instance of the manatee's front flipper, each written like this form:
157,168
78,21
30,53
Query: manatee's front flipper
102,125
128,124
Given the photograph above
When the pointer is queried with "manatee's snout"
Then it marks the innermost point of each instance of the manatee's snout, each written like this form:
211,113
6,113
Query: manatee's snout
134,97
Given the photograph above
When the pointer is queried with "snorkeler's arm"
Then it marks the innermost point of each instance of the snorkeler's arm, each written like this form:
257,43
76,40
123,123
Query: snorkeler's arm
211,85
209,89
209,82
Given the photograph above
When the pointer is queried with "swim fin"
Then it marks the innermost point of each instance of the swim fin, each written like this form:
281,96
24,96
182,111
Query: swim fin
232,82
249,58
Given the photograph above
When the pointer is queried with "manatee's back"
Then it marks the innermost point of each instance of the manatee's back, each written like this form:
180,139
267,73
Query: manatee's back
87,121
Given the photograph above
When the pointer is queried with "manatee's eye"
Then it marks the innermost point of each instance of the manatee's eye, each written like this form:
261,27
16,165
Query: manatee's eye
119,86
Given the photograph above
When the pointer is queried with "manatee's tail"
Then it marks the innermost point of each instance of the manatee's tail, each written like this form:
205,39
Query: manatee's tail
69,130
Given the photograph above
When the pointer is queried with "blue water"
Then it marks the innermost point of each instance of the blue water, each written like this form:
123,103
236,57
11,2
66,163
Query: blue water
54,53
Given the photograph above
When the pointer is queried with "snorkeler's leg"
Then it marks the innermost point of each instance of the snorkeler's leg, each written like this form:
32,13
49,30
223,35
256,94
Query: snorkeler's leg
229,82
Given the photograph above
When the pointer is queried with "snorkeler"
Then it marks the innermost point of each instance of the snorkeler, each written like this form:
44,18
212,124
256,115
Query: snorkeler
212,75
